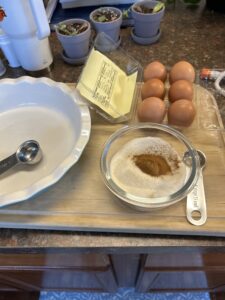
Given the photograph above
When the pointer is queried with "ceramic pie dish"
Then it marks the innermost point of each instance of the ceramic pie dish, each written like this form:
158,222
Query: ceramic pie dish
50,113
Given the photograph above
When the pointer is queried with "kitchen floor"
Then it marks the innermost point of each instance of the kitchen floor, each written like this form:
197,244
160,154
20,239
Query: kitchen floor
123,293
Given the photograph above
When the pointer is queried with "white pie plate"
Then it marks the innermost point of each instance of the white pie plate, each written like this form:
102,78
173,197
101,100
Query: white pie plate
50,113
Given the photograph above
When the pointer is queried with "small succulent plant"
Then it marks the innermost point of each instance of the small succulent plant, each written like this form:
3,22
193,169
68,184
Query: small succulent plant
147,10
72,29
105,15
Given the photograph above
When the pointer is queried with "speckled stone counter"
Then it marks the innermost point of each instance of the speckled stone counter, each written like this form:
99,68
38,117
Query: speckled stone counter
195,35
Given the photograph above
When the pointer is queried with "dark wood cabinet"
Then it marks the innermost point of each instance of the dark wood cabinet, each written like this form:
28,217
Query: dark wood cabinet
151,271
173,281
182,271
61,271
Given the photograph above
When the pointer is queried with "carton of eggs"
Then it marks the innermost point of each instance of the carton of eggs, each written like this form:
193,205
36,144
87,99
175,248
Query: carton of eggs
181,110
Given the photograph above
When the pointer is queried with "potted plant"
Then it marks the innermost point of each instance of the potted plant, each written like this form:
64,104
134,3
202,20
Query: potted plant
107,20
147,16
74,36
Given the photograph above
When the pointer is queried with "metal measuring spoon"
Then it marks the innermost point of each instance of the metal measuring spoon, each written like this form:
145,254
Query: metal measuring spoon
28,153
196,198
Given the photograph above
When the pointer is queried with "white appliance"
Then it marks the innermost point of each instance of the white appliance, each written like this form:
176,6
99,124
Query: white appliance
26,29
80,3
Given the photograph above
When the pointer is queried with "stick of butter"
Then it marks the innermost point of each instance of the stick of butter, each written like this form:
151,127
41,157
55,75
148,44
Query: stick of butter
105,85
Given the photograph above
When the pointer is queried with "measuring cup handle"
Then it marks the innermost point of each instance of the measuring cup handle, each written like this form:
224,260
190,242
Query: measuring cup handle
196,202
8,163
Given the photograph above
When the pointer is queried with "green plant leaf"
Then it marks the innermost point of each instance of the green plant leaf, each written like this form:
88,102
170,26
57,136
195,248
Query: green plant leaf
101,19
158,7
125,13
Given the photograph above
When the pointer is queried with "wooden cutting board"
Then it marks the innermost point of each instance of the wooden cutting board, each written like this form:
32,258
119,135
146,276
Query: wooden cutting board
80,201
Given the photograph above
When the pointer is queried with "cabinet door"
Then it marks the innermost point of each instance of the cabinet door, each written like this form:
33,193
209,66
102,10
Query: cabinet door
173,281
86,272
182,281
7,285
172,271
84,280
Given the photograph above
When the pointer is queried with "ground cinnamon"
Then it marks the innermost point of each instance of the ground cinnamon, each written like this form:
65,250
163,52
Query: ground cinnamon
154,165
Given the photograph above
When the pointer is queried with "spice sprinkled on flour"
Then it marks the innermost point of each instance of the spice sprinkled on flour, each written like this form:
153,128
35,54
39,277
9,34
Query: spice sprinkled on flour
151,168
154,165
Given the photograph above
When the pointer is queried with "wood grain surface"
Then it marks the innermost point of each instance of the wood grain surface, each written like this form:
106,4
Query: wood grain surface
81,202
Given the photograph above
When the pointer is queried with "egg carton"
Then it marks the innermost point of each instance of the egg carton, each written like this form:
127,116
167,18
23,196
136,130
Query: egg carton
208,102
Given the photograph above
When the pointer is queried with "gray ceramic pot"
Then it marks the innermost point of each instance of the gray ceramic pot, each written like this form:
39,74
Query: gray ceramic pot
75,46
146,25
112,29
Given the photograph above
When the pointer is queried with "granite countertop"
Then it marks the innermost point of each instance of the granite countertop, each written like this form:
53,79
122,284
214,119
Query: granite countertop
194,35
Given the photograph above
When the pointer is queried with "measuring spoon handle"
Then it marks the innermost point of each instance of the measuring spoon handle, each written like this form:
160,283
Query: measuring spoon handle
196,202
8,163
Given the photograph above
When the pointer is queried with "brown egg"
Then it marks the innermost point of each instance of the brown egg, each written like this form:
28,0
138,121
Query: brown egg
151,109
155,70
153,88
180,89
181,112
182,70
